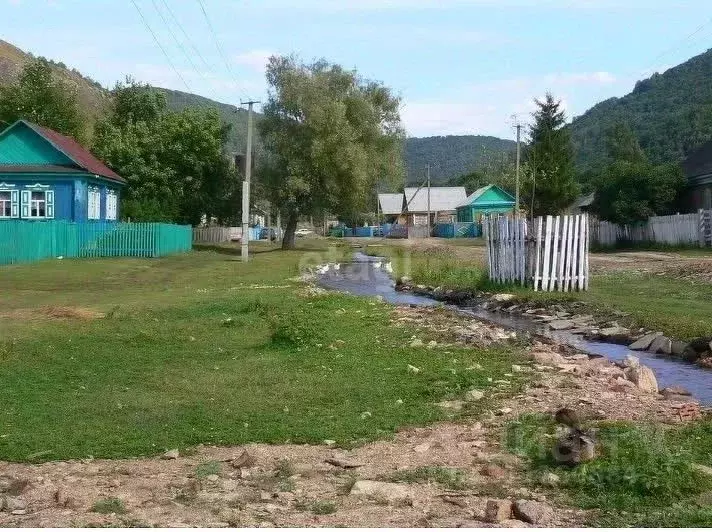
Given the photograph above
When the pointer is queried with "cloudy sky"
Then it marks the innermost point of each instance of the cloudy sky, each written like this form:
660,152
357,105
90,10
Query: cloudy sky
460,66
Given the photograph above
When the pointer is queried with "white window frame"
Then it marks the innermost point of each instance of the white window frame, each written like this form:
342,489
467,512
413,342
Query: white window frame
93,203
27,203
14,201
111,204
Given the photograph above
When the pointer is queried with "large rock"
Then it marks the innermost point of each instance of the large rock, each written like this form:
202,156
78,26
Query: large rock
474,395
536,513
498,510
386,491
643,377
662,344
642,343
614,334
503,297
690,354
701,344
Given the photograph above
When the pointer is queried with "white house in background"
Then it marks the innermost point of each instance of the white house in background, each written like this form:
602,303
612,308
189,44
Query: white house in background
443,204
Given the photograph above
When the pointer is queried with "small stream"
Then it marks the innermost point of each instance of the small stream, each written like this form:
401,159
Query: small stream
371,276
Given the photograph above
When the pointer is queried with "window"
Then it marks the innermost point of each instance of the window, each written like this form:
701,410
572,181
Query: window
5,203
37,202
38,205
94,204
111,202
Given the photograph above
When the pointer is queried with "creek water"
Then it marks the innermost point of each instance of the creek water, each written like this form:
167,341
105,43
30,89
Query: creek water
371,276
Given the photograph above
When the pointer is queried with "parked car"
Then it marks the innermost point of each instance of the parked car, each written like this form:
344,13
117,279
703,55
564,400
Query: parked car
303,232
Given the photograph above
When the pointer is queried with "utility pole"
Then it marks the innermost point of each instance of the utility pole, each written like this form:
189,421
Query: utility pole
427,169
246,186
516,197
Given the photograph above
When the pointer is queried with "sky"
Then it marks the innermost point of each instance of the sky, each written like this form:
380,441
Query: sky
459,66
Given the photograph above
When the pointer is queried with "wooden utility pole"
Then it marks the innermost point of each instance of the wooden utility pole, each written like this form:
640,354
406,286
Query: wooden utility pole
246,186
427,169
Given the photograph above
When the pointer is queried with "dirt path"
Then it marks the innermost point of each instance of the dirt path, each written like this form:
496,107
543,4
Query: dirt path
697,268
314,485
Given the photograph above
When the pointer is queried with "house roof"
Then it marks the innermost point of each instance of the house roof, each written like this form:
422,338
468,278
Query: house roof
699,162
477,194
441,198
83,159
391,203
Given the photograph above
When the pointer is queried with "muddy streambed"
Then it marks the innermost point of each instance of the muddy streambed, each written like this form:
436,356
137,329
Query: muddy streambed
371,276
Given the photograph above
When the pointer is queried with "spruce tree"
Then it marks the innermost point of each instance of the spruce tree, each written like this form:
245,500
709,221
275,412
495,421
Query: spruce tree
551,159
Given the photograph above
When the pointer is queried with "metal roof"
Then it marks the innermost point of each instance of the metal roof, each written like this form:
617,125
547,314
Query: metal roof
391,203
477,193
72,149
441,198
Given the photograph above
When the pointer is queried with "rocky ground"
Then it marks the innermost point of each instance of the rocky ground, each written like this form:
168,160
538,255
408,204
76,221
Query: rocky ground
453,474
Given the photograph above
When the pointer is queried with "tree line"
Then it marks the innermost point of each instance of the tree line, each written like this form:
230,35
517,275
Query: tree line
331,139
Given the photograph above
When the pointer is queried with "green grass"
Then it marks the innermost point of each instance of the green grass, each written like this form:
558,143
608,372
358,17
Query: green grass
111,505
641,471
163,371
323,507
206,469
679,307
448,477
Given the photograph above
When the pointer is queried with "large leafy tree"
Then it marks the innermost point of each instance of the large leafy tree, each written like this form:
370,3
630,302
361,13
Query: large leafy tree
173,161
550,157
630,189
40,98
331,137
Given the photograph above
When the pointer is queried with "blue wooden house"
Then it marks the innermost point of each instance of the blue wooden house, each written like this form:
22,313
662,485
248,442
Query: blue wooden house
490,199
45,175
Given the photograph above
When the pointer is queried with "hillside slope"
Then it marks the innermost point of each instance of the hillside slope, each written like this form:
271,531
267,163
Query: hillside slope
451,156
671,114
93,98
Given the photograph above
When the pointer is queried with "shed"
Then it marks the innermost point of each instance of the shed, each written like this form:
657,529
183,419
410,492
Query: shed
698,171
443,203
45,175
490,199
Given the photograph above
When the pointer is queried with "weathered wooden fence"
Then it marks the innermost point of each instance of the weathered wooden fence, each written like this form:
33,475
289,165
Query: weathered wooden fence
211,234
675,230
550,256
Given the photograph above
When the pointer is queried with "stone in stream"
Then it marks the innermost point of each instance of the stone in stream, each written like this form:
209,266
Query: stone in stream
662,344
561,325
678,347
630,361
642,343
614,334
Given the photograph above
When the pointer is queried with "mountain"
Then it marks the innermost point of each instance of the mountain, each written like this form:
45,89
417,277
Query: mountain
670,113
451,156
93,98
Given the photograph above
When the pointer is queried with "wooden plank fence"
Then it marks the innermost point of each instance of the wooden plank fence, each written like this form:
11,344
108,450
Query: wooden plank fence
674,230
211,234
552,257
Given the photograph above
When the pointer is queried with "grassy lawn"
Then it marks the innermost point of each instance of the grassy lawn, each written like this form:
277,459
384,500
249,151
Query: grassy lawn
201,348
679,307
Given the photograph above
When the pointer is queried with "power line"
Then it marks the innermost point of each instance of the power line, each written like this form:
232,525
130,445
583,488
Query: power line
187,37
677,45
175,39
155,38
220,49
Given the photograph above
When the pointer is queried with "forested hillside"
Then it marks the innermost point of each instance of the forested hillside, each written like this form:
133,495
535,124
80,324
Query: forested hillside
451,156
670,114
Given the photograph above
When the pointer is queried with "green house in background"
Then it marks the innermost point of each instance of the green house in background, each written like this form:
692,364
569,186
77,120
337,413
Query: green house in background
490,199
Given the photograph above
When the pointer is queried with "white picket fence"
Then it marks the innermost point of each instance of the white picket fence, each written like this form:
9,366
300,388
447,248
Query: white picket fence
553,256
675,230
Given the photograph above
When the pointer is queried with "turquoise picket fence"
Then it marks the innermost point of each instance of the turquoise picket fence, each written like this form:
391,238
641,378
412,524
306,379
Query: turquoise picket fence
29,241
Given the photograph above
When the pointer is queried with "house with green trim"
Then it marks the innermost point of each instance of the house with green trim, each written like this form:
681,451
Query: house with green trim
489,199
45,175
